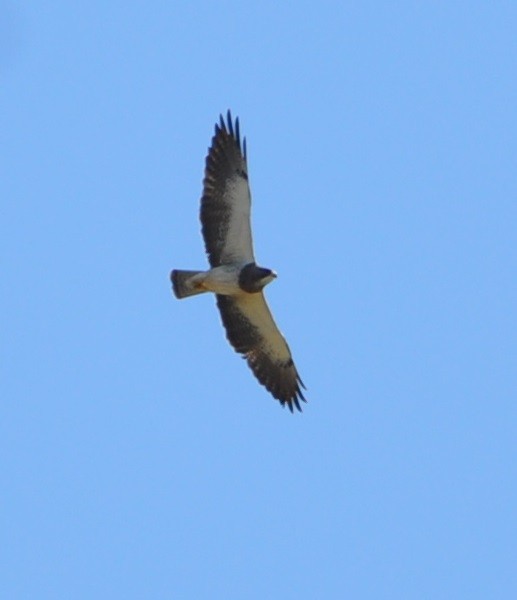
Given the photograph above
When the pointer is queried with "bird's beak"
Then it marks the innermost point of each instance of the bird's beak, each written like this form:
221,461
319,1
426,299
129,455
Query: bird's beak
274,274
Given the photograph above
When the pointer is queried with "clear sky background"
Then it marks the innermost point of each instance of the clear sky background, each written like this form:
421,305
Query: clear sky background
139,456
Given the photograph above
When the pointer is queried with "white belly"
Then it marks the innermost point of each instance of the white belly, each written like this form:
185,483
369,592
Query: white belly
223,280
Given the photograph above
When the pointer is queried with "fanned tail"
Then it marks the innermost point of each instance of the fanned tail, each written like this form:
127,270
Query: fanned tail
183,284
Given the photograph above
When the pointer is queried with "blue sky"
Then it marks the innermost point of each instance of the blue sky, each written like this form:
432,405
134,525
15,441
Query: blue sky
140,459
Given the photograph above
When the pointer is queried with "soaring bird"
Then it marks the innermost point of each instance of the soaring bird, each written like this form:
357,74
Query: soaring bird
234,276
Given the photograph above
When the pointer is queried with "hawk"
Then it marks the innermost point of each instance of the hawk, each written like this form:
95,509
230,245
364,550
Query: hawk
234,276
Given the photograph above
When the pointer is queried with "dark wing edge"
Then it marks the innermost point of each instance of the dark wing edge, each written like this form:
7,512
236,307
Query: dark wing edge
225,160
275,370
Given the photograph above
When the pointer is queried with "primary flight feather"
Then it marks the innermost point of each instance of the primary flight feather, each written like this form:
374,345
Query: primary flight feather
234,276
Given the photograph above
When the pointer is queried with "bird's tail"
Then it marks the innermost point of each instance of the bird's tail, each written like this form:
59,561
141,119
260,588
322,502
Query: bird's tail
186,283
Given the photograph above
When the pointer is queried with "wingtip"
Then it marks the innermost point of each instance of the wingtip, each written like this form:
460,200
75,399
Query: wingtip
294,402
237,132
233,128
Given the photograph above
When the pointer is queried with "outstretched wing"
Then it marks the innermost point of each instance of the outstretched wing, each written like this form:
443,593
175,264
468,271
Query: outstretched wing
226,200
251,330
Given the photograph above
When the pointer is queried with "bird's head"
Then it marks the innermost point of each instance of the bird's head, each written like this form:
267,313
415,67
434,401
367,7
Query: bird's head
266,276
253,279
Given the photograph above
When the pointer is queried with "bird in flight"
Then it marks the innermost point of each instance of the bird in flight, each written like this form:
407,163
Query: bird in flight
234,276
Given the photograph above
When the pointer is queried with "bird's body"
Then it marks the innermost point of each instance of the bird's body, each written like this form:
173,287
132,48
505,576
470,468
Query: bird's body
234,276
220,280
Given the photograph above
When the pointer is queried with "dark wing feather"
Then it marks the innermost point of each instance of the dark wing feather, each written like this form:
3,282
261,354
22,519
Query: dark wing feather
226,200
251,330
